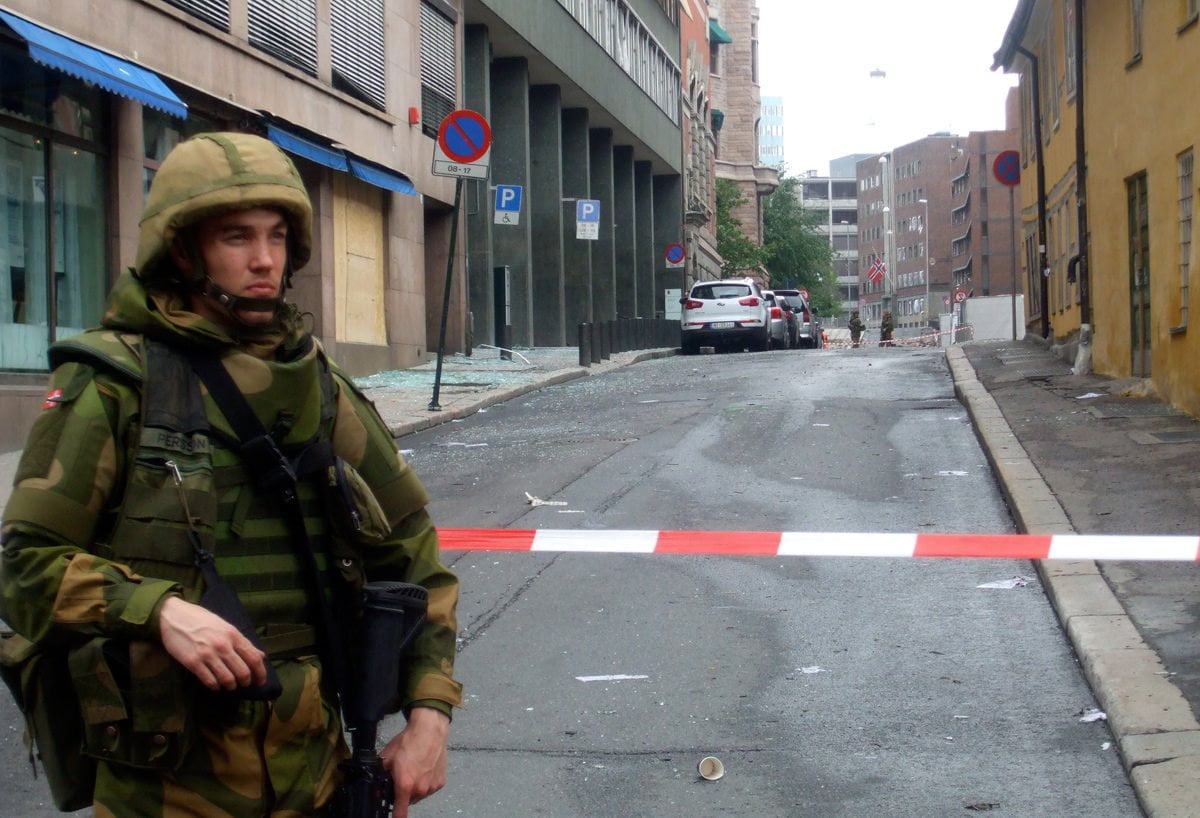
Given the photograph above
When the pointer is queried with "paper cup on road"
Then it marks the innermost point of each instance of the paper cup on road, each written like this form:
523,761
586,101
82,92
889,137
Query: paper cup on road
710,768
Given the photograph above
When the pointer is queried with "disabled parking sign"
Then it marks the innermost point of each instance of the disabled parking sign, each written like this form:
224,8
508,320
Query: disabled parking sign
508,204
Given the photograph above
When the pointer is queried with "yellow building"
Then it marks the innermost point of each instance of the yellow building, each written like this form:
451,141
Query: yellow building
1131,288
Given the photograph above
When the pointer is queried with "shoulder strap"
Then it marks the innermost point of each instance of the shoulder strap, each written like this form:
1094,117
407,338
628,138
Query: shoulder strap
275,472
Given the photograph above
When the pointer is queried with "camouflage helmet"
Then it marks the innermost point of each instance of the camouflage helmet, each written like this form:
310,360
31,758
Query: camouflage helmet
214,173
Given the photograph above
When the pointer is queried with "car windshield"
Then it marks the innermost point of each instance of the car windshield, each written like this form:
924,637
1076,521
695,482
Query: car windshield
710,291
793,301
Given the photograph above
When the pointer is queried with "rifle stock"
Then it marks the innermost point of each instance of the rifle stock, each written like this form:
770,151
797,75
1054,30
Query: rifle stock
393,615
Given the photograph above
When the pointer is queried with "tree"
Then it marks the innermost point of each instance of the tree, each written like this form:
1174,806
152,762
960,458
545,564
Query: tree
738,250
795,251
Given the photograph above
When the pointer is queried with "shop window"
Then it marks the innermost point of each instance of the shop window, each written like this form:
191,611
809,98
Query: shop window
161,133
61,214
53,271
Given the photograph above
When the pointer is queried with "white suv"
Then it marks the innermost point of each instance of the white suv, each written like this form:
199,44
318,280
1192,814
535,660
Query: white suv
730,313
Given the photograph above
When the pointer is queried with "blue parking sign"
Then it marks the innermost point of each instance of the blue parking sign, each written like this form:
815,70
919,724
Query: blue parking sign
508,204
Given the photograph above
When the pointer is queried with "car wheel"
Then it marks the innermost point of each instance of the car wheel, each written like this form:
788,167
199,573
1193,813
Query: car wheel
689,347
761,344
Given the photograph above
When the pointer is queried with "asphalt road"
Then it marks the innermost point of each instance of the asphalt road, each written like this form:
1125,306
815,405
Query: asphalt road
828,687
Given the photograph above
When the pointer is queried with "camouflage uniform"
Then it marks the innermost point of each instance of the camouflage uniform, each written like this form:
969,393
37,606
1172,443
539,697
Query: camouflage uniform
856,327
92,533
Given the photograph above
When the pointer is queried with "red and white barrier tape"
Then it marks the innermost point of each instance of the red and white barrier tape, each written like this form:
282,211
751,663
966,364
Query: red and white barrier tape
827,544
925,339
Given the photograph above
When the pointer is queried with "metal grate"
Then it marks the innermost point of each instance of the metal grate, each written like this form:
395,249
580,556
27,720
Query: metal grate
357,49
215,12
286,29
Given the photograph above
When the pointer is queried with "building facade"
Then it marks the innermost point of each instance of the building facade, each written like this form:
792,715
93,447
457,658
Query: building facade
351,90
835,199
583,97
700,37
1126,287
737,96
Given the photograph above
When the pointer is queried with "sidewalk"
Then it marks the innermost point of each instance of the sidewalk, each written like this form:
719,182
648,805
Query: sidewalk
1083,454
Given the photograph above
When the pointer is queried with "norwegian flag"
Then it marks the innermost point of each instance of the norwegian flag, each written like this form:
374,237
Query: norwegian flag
876,272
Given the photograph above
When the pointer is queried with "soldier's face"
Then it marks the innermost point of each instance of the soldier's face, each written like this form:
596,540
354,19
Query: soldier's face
244,253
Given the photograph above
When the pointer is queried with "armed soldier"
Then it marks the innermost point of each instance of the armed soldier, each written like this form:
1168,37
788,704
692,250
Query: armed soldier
152,511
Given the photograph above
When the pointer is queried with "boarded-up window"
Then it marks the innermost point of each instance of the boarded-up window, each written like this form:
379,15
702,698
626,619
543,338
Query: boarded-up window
439,90
286,29
358,51
215,12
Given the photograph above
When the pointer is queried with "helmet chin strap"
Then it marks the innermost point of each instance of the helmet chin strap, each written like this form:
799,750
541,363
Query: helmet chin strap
232,304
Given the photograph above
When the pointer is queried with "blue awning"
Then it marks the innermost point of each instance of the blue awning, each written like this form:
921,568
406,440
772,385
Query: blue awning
301,145
95,66
320,149
382,177
718,34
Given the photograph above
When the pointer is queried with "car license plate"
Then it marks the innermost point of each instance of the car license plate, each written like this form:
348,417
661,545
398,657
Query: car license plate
722,324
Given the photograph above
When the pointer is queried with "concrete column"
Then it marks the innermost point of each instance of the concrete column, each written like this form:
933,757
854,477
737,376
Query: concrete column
576,183
544,209
511,244
668,228
647,254
476,204
604,304
624,238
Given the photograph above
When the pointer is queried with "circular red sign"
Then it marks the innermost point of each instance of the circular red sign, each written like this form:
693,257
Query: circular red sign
1007,168
674,253
464,136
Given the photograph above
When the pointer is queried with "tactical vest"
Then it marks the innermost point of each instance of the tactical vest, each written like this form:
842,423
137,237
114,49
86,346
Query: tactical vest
182,473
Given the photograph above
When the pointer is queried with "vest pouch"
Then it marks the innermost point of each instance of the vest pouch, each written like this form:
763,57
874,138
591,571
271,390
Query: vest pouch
354,511
137,703
54,728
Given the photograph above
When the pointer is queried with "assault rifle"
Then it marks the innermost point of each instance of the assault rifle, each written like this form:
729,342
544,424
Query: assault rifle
393,615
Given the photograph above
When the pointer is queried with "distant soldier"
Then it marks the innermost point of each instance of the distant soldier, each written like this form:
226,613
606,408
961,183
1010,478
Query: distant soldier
140,500
856,328
886,328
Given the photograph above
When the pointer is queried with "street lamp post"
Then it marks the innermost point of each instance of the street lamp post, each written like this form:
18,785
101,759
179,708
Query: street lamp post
849,272
925,230
885,300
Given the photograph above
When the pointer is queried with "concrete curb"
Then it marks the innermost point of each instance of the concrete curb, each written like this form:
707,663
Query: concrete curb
1156,732
436,418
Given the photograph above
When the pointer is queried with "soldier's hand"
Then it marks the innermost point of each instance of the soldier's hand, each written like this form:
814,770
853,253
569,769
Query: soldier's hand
416,758
208,646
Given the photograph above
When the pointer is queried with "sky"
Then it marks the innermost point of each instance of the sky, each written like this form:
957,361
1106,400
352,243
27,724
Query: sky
936,55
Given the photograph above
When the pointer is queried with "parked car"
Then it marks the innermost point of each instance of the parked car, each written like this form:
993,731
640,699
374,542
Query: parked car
783,322
728,314
808,327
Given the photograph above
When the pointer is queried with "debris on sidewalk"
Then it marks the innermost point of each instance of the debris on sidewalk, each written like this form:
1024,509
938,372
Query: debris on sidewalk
1094,714
537,501
1008,584
1089,395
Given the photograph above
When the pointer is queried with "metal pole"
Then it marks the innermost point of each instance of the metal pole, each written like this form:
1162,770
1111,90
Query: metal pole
434,406
925,227
1012,238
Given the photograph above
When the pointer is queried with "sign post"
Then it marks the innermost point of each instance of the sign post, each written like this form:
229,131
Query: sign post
462,150
1007,169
